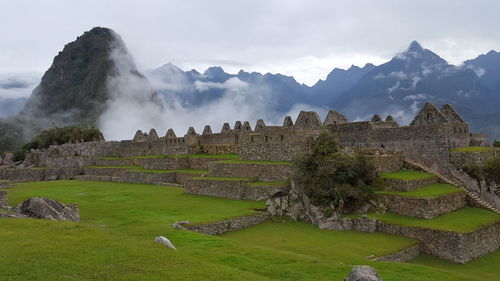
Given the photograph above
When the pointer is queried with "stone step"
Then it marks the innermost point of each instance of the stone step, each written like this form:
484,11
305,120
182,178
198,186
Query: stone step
472,195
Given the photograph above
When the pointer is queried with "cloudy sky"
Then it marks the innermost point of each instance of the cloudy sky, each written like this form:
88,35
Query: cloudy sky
306,39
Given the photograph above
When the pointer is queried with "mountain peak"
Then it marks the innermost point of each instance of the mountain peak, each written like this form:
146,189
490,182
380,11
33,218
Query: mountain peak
415,47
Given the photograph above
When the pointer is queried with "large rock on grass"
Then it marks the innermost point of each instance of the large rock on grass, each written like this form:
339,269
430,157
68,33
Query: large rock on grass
44,208
363,273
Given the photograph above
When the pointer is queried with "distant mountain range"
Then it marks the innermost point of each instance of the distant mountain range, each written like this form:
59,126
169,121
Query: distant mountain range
399,87
78,83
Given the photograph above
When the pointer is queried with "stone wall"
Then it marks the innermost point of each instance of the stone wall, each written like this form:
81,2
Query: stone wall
426,208
403,255
463,159
229,225
230,189
266,172
39,174
4,184
4,199
457,247
388,163
408,185
122,175
276,145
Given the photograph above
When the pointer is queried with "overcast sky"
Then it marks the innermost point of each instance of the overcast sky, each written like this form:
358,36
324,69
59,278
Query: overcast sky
306,39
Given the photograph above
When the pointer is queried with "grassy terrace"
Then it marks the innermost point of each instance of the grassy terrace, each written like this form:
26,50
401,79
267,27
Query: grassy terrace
258,162
462,221
120,220
225,179
199,156
269,183
141,169
473,149
433,190
407,175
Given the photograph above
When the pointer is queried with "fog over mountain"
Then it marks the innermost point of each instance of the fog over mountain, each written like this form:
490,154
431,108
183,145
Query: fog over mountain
94,80
398,87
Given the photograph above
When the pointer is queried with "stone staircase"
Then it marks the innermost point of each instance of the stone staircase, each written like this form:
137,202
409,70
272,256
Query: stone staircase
447,180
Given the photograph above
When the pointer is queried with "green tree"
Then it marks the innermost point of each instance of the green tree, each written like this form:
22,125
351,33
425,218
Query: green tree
331,178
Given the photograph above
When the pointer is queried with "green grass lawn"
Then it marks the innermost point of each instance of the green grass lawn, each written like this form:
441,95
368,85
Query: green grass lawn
407,175
269,183
208,156
473,149
142,169
226,179
433,190
120,220
462,221
257,162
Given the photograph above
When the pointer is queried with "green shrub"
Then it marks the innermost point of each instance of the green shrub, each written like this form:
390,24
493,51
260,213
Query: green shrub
61,135
58,135
331,178
19,155
489,171
496,143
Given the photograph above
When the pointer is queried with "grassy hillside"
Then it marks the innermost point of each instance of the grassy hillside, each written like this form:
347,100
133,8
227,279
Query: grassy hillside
120,220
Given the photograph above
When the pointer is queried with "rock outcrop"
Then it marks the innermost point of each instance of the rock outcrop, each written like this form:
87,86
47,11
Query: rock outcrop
44,208
363,273
164,240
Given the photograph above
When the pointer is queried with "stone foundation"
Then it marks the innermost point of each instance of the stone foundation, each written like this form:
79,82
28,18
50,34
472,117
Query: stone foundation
426,208
229,225
403,255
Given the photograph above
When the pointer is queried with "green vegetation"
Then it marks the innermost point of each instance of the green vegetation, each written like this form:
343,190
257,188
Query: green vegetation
407,175
496,143
120,220
142,169
59,135
257,162
333,179
225,179
489,171
197,156
433,190
269,183
462,221
471,149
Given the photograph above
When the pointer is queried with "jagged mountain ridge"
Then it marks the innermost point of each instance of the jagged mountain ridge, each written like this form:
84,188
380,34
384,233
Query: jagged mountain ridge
397,87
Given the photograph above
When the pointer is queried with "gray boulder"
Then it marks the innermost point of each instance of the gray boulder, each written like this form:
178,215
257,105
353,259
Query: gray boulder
43,208
165,241
363,273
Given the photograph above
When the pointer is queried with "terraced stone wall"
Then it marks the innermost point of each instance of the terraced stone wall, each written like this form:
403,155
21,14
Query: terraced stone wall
21,175
230,189
266,172
229,225
408,185
457,247
426,208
